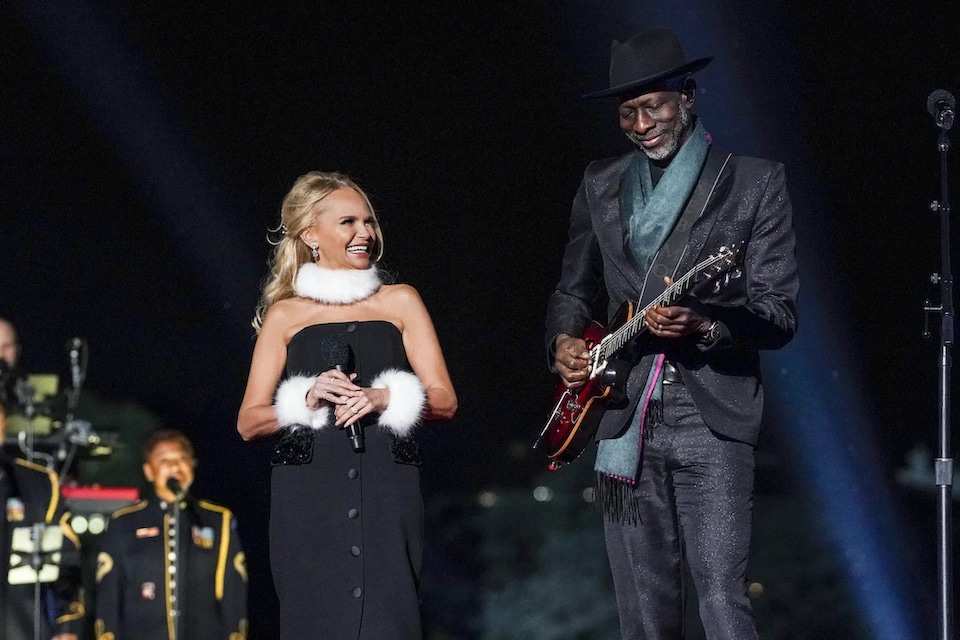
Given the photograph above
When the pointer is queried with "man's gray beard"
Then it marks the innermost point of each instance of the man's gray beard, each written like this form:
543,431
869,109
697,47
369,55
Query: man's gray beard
679,130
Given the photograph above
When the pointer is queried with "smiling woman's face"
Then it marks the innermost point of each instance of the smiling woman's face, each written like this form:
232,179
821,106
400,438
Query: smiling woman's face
344,231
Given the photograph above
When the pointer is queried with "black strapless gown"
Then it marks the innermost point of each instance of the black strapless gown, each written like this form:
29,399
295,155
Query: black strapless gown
346,528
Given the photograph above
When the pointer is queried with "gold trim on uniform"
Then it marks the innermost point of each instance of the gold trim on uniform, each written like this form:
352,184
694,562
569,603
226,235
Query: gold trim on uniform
241,634
54,486
240,564
104,565
138,506
77,611
224,543
68,531
100,631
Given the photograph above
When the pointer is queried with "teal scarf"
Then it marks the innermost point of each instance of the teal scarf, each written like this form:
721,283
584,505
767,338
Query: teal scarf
650,213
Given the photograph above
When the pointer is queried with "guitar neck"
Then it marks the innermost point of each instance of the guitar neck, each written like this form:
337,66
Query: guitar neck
630,329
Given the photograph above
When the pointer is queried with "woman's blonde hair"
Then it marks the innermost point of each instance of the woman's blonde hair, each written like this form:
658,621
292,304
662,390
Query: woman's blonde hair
298,211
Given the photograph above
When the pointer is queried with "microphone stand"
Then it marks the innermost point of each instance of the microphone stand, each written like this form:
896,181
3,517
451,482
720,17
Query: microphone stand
36,563
943,466
176,609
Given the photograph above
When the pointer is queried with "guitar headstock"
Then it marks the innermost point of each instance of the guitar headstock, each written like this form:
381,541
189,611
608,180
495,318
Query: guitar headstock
722,262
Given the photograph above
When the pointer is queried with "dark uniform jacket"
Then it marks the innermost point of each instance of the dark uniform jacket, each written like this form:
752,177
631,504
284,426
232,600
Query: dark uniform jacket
756,306
30,494
139,573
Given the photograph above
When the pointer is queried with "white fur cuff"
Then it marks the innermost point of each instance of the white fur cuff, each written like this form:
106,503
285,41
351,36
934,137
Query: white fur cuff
407,400
290,404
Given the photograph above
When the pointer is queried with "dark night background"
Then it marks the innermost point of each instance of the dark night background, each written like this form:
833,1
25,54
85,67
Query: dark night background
146,146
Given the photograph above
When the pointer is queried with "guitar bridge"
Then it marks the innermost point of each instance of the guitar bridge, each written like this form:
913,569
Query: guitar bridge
572,405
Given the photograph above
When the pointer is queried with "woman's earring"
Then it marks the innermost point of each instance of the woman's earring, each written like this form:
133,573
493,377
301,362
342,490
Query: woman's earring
313,250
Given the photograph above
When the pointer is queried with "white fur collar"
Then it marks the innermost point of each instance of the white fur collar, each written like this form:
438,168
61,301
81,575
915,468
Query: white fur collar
336,286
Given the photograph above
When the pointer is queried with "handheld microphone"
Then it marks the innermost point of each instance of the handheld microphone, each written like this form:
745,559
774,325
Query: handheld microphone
941,104
174,485
339,357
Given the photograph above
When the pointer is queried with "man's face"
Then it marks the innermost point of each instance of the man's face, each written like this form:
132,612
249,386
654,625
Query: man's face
658,122
9,347
168,460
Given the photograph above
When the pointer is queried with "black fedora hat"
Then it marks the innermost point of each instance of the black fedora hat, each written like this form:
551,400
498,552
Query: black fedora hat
646,59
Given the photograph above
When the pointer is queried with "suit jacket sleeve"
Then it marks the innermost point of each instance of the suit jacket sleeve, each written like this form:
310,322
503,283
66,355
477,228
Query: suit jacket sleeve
68,593
569,308
110,583
233,591
767,318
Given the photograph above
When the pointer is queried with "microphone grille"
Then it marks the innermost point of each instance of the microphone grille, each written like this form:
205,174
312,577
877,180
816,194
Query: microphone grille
940,95
335,351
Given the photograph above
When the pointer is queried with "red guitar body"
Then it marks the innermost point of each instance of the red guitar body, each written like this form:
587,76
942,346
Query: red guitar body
577,412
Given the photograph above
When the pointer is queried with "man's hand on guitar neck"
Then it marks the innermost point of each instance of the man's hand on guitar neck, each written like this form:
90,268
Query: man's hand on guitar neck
676,321
572,360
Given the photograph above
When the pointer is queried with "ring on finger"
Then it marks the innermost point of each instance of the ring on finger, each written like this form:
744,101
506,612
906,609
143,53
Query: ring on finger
354,410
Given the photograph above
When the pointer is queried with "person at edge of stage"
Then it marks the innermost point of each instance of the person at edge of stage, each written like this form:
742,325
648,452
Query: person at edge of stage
160,577
344,367
9,367
30,494
675,465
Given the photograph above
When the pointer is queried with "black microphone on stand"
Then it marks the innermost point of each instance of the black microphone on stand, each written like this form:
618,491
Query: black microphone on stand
339,357
174,485
78,361
941,104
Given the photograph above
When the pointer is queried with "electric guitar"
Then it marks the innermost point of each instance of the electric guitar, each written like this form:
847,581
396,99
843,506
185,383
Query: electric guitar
577,412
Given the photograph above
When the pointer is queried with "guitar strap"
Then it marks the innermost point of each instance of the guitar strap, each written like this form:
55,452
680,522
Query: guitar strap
671,253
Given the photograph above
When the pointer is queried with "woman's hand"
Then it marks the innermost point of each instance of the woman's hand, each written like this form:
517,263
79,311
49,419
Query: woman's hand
358,405
332,387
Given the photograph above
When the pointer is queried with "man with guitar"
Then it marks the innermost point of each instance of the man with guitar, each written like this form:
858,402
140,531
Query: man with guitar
695,247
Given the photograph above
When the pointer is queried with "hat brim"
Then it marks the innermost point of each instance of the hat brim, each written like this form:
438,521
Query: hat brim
633,87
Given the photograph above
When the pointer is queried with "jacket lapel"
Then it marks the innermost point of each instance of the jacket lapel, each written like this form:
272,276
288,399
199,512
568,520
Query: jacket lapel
715,181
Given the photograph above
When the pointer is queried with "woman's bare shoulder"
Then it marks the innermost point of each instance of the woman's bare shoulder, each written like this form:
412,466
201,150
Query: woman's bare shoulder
288,314
401,294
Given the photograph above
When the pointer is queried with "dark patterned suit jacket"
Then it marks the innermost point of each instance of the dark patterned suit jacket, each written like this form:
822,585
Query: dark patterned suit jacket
756,307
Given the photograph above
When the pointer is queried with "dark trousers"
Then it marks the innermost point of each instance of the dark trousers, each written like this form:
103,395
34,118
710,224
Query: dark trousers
696,500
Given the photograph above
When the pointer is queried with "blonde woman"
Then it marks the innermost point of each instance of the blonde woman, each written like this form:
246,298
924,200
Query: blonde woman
344,368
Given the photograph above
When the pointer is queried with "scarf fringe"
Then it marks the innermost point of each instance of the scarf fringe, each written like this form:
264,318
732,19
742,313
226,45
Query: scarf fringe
616,499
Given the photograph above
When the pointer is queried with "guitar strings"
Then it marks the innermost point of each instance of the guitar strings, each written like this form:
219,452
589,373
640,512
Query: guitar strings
624,334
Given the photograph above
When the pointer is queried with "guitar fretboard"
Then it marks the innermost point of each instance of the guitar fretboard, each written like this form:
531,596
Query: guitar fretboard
630,329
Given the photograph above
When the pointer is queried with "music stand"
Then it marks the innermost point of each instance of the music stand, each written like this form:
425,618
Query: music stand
35,553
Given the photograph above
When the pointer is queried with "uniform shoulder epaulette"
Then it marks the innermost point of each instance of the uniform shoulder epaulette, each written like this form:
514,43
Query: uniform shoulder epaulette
211,506
133,508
